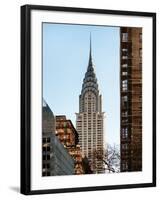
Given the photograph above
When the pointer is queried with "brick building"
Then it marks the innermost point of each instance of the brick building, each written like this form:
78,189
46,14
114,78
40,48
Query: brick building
131,98
68,136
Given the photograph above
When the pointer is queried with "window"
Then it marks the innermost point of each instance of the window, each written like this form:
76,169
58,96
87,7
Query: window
124,130
44,157
124,50
124,146
125,114
140,53
124,37
48,157
125,165
124,57
124,82
140,37
124,98
48,174
124,121
124,73
125,65
124,135
47,165
48,140
124,85
140,65
48,148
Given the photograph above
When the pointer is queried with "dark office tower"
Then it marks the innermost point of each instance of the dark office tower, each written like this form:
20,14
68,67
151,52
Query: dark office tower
131,98
55,158
89,120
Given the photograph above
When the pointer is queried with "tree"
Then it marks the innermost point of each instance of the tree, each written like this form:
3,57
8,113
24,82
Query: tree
110,157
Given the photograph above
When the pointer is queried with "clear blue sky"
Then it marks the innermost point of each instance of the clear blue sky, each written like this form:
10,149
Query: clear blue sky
65,59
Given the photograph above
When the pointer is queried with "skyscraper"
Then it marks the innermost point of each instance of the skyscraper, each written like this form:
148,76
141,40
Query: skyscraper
89,120
131,98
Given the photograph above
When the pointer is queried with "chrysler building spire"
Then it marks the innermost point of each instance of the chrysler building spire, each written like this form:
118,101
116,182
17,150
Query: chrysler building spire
90,63
90,51
89,122
90,84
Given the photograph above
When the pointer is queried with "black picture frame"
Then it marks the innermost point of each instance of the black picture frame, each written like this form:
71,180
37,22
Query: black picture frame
26,98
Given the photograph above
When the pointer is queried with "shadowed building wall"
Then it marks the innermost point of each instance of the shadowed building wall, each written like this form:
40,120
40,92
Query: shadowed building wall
55,158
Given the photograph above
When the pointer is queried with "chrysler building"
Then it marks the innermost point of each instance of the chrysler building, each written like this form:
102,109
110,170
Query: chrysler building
90,119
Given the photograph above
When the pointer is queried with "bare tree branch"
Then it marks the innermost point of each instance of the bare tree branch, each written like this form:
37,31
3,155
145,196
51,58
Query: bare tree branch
110,157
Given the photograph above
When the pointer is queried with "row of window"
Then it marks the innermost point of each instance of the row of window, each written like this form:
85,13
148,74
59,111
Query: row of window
125,57
125,166
124,85
124,135
46,165
125,114
46,140
46,157
46,173
125,98
125,66
47,148
125,37
124,121
124,73
125,146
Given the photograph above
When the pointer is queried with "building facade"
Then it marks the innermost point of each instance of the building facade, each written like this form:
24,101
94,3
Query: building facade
131,98
55,158
89,120
68,136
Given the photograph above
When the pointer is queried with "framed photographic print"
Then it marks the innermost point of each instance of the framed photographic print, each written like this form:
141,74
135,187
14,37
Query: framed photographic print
88,99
